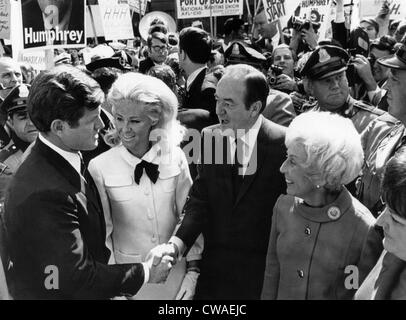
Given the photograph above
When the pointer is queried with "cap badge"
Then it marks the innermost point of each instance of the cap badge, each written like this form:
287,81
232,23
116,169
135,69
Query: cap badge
23,92
334,213
236,50
323,56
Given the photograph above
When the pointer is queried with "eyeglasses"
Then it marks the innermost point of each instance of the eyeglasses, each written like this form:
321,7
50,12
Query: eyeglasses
159,48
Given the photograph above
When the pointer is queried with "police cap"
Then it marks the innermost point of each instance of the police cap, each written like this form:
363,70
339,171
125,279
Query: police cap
120,60
238,53
325,61
16,99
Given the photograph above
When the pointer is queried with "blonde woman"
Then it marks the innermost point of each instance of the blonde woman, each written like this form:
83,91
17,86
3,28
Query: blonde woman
144,180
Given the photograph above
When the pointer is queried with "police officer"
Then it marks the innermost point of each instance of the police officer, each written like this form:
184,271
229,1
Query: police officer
325,79
19,128
386,134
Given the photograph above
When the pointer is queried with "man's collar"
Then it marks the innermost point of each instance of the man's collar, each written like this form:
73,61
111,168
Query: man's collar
193,76
73,158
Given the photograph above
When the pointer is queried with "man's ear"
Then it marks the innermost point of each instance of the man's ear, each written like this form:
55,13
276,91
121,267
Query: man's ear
255,108
308,86
182,55
10,121
58,127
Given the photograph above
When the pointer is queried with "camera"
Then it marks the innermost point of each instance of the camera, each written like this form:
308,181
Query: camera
276,71
299,24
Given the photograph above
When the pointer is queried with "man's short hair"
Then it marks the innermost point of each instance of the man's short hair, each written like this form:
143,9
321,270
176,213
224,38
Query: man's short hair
232,24
384,43
157,35
197,44
257,88
62,93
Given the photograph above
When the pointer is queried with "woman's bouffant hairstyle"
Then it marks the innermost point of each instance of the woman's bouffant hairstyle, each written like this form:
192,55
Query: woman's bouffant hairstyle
159,101
332,147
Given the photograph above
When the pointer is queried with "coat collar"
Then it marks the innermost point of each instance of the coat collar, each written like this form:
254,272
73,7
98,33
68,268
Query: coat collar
331,212
64,168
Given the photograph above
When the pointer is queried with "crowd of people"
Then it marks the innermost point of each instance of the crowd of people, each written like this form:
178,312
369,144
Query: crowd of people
199,168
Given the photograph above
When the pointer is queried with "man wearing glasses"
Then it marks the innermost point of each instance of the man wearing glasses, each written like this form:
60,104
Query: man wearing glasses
157,51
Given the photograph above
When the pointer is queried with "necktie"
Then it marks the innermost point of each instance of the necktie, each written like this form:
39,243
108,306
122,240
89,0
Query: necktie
151,170
237,176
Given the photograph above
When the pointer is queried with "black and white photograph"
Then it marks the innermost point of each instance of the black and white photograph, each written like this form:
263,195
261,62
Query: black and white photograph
203,154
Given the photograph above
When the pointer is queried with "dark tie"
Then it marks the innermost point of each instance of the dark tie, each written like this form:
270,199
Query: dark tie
237,176
151,170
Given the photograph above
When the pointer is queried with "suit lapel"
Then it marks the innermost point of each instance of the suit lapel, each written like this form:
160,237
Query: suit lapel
70,174
258,157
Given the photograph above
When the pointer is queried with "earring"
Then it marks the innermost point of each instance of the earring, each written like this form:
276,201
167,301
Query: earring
318,187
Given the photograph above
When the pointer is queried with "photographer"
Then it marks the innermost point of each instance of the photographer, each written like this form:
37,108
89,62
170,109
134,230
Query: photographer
304,35
283,78
374,75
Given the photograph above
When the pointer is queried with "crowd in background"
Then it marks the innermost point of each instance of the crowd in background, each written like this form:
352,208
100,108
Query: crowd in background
323,118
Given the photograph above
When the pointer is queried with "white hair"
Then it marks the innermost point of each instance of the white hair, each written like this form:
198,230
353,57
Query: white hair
332,147
160,102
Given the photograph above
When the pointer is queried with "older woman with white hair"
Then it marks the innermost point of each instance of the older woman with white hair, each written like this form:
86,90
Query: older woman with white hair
323,242
144,180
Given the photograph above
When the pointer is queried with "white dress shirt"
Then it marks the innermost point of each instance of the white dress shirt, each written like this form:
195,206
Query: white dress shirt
249,140
74,158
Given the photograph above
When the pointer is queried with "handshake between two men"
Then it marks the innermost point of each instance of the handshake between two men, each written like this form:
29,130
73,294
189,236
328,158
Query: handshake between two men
160,261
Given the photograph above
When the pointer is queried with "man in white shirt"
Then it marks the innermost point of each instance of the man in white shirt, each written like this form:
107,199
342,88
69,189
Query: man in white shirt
64,256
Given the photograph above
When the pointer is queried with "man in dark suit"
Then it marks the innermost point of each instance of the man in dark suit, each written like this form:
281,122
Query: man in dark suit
157,51
231,204
199,105
54,219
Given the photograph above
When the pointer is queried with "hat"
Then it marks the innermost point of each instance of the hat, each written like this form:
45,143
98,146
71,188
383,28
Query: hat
120,60
232,24
64,57
239,52
16,99
384,43
397,61
325,61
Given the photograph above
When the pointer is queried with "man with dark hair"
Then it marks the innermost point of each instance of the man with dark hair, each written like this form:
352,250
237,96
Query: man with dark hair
157,51
231,202
233,31
64,256
199,104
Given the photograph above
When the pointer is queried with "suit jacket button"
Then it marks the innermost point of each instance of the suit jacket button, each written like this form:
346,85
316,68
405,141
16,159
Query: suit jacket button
300,273
308,231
